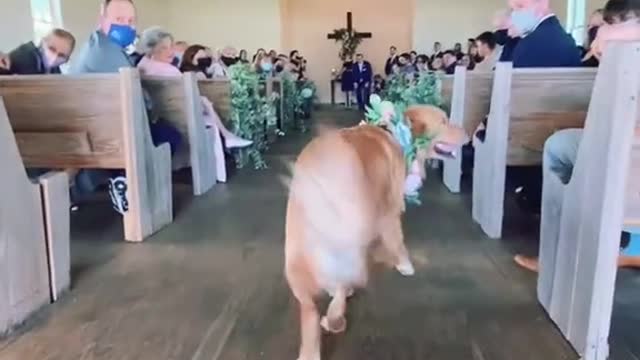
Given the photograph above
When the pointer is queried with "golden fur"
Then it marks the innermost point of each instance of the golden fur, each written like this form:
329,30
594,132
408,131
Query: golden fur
346,200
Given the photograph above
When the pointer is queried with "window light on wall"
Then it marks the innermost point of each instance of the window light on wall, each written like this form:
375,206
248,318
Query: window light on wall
46,16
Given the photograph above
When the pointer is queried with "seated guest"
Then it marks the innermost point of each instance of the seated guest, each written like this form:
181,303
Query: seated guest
157,46
437,50
243,57
104,52
281,64
449,62
422,63
437,64
474,55
505,36
457,51
471,43
595,22
561,149
260,52
179,47
54,50
466,62
487,50
197,60
5,64
378,84
405,66
228,56
544,42
264,66
391,60
273,55
414,57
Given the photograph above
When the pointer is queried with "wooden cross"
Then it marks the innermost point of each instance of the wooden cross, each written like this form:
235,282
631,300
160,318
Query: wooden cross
358,35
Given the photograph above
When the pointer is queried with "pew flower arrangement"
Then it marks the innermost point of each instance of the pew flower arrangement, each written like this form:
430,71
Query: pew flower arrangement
425,89
391,116
249,113
305,96
288,100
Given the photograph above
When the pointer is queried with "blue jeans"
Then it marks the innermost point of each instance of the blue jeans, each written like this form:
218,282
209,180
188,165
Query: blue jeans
561,152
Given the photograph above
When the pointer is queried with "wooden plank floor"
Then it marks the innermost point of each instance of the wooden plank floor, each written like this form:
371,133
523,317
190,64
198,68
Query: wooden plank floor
210,286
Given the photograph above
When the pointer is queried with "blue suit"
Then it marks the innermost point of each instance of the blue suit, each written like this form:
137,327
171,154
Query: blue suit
548,45
362,80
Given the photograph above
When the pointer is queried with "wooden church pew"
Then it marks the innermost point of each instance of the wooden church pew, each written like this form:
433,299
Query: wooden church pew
581,221
219,93
94,122
34,234
177,100
527,106
469,98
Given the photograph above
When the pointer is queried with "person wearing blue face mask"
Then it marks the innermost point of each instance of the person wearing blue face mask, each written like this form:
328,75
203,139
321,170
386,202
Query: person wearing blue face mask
543,40
54,50
105,52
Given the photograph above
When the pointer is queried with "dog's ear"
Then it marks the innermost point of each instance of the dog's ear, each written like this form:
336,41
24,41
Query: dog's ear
417,124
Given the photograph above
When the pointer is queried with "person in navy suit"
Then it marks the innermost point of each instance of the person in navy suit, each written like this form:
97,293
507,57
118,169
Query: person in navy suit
543,40
362,77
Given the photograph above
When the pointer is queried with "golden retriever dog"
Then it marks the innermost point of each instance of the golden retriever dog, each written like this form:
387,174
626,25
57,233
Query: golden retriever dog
345,202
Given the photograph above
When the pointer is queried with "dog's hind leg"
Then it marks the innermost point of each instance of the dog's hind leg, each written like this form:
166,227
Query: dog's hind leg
393,240
335,321
310,330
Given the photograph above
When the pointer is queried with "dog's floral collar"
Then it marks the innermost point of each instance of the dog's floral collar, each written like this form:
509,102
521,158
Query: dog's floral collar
386,114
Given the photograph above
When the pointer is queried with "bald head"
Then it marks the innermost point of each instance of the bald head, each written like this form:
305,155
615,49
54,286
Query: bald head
117,12
540,7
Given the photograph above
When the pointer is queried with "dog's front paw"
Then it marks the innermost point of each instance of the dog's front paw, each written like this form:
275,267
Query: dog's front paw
406,268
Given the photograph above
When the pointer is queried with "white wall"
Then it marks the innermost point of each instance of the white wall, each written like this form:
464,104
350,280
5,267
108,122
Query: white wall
247,24
451,21
16,26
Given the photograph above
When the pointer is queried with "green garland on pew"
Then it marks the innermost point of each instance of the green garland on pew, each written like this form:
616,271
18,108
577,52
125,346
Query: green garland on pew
305,96
405,91
250,112
289,99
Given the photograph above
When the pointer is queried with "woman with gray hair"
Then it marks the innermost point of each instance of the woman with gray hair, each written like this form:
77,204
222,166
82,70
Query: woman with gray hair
157,46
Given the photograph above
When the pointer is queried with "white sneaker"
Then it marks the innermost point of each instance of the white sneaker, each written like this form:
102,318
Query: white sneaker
233,141
118,194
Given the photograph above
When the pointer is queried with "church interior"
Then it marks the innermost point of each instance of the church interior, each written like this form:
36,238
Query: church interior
201,168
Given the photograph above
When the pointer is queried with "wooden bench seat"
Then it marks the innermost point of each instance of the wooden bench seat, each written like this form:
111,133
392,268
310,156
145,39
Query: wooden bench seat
94,122
177,100
468,95
527,106
581,221
34,234
219,93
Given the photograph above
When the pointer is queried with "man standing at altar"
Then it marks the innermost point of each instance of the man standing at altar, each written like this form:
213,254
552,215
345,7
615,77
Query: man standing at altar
362,76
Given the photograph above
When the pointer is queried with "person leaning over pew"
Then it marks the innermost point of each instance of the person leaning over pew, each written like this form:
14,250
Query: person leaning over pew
622,19
53,51
104,52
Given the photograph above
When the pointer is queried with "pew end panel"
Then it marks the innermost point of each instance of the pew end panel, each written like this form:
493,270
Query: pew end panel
24,275
177,100
470,98
148,167
581,221
527,106
219,93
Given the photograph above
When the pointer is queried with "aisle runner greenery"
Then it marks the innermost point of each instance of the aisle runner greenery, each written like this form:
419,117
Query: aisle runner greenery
405,91
250,112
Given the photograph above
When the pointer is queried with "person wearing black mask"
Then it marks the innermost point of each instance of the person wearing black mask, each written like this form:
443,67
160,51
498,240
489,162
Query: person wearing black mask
54,50
196,59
